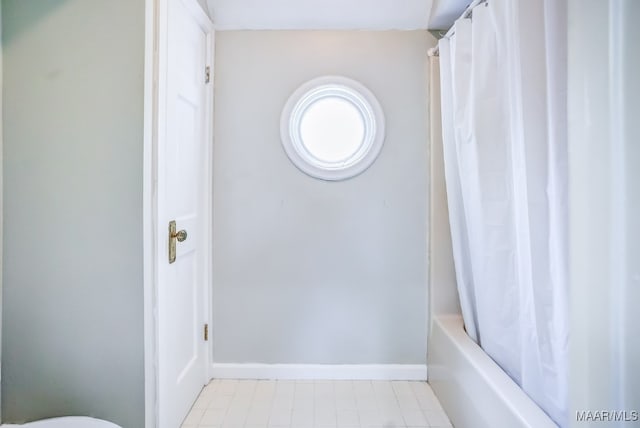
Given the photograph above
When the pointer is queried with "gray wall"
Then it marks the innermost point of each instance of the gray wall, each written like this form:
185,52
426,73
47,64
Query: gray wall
307,271
73,140
443,296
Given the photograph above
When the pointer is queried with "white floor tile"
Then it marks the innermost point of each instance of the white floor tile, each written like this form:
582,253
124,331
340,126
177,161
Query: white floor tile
226,387
437,418
220,402
280,416
302,417
391,417
343,386
265,387
232,403
382,388
283,401
258,416
324,389
303,403
366,401
347,418
346,403
369,416
363,387
213,417
194,417
414,418
408,401
240,402
284,387
236,416
326,418
304,390
402,387
203,401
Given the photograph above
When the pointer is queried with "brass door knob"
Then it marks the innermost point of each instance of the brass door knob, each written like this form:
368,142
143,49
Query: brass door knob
181,235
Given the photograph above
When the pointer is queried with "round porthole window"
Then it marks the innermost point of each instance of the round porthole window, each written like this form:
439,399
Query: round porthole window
332,128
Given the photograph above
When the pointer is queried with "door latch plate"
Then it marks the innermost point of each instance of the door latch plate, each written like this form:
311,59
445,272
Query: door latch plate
172,241
174,237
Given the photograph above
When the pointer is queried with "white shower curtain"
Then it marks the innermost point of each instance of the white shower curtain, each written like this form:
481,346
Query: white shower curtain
503,85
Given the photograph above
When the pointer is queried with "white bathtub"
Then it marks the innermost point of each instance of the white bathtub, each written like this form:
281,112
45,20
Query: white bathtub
473,390
66,422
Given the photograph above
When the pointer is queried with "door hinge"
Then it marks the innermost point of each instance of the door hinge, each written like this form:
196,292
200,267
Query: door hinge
206,332
207,74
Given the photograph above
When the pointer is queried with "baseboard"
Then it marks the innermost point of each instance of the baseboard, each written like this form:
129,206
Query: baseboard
320,371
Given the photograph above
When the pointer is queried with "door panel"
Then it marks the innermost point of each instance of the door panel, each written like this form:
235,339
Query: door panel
181,182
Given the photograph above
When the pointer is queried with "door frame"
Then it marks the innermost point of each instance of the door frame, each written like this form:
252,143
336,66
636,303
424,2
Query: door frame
155,88
1,197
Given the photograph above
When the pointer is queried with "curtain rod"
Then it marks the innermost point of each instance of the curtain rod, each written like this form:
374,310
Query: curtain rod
466,14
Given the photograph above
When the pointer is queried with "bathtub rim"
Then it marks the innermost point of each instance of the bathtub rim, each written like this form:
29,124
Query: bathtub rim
508,400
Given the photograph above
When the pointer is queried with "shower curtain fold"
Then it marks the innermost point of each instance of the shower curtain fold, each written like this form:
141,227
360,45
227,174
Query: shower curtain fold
503,85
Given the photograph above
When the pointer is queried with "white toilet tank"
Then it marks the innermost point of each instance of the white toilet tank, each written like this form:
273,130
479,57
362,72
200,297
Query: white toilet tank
66,422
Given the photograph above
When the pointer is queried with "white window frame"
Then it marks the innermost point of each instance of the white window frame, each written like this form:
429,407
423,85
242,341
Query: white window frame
348,90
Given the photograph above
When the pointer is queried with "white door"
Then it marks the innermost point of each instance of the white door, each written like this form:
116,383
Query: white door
182,175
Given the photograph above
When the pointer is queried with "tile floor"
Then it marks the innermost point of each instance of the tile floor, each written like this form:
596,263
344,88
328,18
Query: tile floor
317,404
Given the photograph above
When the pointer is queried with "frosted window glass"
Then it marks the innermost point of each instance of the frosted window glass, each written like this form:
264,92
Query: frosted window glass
332,129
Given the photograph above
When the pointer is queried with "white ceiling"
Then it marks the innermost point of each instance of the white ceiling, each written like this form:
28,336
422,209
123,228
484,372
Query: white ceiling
330,14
